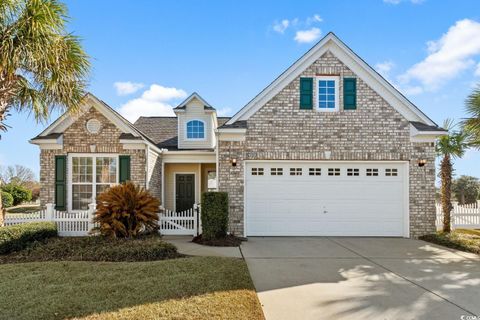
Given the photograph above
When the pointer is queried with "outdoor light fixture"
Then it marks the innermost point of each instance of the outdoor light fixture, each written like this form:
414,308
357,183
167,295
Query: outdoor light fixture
422,162
234,162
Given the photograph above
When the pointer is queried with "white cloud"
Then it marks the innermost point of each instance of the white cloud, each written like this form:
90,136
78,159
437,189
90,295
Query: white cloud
308,36
281,26
125,88
224,112
447,58
153,102
314,19
384,68
398,1
477,70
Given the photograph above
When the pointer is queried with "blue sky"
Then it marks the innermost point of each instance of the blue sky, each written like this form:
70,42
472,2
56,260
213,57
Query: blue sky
147,55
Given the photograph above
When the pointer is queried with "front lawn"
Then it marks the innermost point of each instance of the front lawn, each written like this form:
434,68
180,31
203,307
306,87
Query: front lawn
460,239
183,288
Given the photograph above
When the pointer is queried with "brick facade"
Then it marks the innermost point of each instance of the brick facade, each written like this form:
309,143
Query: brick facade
76,139
374,131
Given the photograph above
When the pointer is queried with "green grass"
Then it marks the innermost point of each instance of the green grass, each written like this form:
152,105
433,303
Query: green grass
97,248
184,288
460,239
23,209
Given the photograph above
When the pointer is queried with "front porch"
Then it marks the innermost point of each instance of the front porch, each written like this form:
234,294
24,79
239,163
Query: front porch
184,183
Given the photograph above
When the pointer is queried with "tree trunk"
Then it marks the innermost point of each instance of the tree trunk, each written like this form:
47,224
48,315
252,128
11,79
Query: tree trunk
446,190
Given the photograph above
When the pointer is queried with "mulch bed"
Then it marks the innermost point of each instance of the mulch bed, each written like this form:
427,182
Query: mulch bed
228,241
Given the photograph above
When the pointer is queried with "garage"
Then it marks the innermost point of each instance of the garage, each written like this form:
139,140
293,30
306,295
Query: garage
326,198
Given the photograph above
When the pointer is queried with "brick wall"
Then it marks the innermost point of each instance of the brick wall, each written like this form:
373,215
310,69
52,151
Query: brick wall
375,131
76,139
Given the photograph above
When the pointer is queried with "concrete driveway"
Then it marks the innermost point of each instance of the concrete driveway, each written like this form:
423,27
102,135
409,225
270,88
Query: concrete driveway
362,278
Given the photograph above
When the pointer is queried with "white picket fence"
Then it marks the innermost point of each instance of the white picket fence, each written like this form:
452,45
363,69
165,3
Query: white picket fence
465,216
180,223
76,224
69,224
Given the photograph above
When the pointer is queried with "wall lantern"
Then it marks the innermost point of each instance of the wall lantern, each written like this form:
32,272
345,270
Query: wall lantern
422,162
234,162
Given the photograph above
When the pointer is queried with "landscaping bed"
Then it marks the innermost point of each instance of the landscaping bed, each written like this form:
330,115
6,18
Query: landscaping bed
460,239
186,288
95,248
227,241
23,209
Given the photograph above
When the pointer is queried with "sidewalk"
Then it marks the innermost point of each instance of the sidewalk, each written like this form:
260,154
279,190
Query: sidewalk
185,246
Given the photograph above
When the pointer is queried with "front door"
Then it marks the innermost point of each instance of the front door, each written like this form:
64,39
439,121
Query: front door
184,191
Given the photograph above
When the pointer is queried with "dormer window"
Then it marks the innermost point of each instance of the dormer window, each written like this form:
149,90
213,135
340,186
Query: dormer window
195,129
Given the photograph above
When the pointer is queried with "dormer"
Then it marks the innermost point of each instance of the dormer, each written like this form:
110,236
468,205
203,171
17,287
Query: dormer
197,120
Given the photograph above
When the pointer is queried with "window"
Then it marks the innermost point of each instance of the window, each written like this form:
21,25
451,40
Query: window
195,129
315,171
372,172
295,171
276,171
328,93
212,181
257,171
333,171
353,172
391,172
91,175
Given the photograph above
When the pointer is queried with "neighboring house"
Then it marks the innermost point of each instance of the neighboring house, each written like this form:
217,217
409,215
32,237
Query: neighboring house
329,148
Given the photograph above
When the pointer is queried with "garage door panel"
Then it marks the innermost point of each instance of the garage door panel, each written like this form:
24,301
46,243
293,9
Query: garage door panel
326,205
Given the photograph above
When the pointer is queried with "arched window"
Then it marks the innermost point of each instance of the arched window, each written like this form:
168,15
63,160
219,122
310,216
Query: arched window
195,129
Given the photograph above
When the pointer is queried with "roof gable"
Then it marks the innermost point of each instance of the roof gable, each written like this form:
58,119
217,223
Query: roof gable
183,104
342,52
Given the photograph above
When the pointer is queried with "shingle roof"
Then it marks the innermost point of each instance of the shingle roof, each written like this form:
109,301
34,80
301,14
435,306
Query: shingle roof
425,127
48,136
163,131
241,124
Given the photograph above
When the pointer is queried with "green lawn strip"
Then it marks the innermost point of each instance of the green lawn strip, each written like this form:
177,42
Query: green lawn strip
460,239
127,290
23,209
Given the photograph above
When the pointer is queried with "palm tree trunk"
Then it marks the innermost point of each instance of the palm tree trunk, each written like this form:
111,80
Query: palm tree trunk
446,190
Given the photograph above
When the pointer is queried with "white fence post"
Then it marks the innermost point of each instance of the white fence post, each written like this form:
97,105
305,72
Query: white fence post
91,212
195,219
49,211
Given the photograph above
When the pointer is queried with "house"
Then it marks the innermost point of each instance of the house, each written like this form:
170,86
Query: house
329,148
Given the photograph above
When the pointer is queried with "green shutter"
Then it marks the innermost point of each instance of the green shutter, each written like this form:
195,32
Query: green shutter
349,93
306,93
124,168
60,182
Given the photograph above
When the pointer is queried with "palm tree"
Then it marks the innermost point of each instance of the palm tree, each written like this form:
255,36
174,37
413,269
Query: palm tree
42,66
450,146
472,124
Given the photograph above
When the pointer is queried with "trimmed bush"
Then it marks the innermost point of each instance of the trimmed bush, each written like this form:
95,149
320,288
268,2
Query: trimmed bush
214,215
20,194
20,236
96,248
7,200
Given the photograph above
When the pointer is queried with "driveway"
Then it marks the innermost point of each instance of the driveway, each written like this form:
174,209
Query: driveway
362,278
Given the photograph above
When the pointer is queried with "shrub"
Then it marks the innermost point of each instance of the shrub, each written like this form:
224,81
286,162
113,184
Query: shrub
214,215
126,211
7,199
18,237
97,248
35,193
19,193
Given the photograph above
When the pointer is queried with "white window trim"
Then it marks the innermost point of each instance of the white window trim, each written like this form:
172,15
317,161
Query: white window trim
195,139
337,93
94,174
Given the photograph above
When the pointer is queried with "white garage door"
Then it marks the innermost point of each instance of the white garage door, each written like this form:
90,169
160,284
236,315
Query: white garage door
326,198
